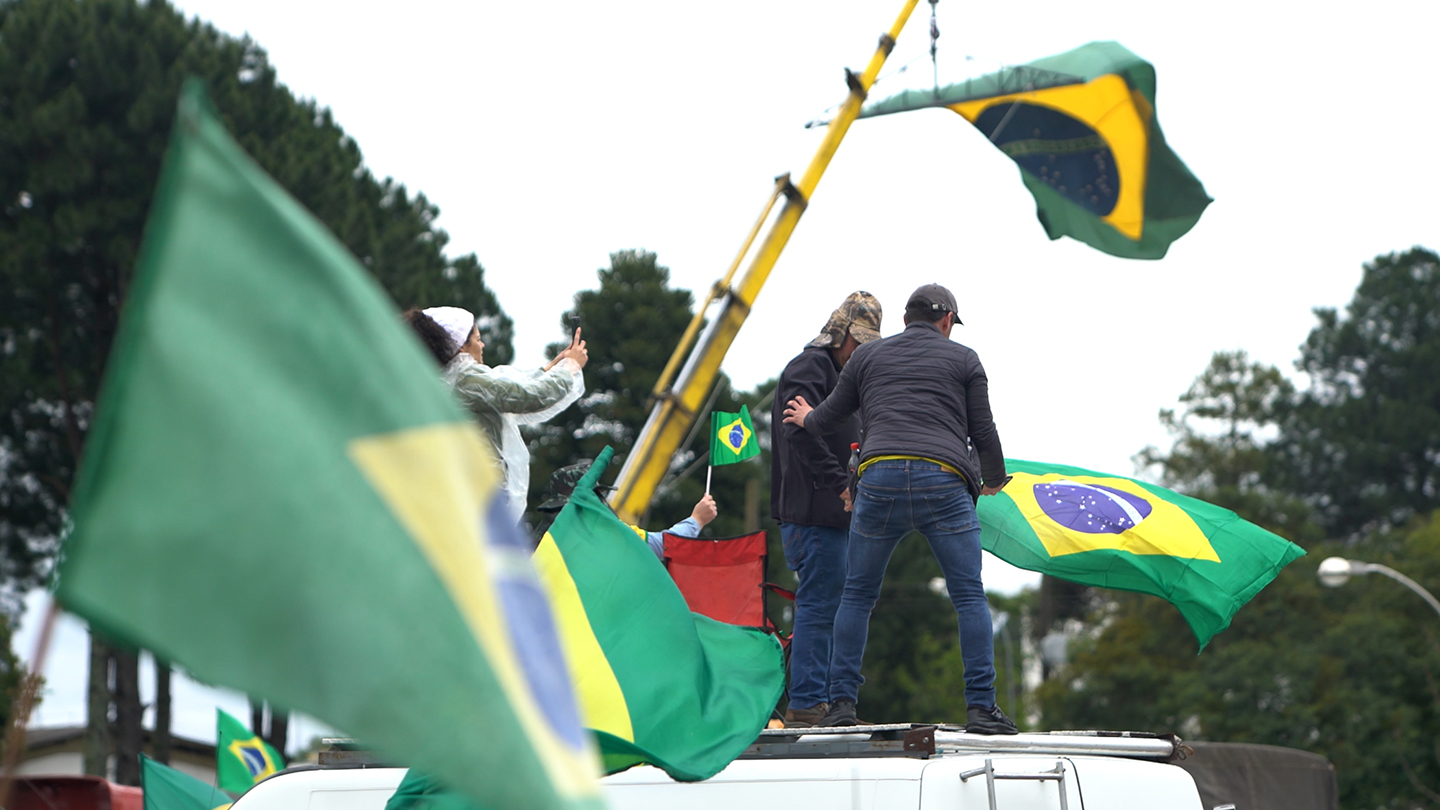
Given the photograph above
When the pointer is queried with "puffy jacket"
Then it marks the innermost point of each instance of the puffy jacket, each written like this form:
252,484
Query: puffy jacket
807,470
922,395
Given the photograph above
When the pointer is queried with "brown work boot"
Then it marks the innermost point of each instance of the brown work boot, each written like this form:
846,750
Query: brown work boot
805,718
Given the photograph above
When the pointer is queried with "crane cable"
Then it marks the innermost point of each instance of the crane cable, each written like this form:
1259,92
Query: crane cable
934,45
821,120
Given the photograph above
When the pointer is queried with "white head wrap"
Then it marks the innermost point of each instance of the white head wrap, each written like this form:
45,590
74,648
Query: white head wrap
456,322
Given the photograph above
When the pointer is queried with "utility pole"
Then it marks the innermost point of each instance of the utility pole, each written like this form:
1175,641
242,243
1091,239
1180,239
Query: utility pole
97,709
752,505
129,733
160,741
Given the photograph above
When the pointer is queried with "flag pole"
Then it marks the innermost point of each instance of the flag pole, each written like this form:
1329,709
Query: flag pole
709,468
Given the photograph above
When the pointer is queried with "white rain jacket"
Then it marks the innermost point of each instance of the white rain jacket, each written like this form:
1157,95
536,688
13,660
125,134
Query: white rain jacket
503,398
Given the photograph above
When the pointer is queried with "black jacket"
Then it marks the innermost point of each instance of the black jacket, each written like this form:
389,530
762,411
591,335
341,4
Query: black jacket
922,394
808,471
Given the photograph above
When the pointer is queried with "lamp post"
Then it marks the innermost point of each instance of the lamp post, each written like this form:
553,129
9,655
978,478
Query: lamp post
1336,571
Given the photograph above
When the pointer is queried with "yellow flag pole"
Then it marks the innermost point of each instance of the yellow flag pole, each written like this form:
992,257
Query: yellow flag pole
676,408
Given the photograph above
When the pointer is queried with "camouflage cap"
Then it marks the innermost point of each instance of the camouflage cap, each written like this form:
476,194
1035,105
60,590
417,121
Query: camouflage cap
859,313
562,484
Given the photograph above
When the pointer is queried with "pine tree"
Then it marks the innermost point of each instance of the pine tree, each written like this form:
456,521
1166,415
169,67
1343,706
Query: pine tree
88,90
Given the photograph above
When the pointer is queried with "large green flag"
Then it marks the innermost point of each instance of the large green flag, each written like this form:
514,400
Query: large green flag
658,684
242,759
1116,532
168,789
732,437
1083,129
266,419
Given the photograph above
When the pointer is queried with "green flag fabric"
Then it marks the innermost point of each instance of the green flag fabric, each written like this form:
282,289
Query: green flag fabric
168,789
1083,129
1115,532
266,419
242,759
658,684
732,437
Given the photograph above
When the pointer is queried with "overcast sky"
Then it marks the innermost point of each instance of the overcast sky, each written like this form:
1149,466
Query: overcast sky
551,134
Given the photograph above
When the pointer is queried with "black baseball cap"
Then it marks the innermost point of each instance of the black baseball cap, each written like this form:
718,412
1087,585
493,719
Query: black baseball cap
933,298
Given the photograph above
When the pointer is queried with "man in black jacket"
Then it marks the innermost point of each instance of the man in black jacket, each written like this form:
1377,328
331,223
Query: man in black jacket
810,500
923,397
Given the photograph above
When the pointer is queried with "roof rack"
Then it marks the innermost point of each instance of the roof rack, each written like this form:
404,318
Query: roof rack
923,741
918,740
345,752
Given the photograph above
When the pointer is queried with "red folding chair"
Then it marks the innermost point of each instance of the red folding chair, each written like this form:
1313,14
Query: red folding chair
724,578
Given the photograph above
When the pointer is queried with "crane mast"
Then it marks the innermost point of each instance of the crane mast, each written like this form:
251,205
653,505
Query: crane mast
677,404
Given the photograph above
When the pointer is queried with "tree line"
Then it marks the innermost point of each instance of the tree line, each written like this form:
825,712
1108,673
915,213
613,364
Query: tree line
1347,464
87,97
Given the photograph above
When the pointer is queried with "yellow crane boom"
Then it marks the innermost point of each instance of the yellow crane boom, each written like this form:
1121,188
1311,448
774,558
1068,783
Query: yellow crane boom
677,406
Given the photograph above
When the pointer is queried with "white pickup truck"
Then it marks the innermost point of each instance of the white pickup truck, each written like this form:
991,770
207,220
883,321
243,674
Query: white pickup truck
898,767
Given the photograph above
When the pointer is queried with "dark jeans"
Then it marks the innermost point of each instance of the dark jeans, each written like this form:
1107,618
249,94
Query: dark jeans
817,556
895,498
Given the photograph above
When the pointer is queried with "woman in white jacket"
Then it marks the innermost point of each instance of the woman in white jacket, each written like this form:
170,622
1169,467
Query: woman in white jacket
503,397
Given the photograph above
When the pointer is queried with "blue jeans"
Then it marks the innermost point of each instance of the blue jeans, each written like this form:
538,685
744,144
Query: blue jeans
895,498
817,556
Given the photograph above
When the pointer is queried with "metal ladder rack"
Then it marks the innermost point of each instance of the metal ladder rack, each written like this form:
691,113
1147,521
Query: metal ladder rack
1056,775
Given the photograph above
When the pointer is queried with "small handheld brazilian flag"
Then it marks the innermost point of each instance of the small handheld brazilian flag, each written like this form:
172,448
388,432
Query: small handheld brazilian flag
732,439
242,759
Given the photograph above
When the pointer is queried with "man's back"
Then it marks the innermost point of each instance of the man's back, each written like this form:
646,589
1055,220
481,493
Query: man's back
924,400
921,394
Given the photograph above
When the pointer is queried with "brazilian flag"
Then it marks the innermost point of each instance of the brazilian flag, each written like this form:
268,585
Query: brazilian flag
732,437
1115,532
658,684
242,759
387,592
169,789
1083,129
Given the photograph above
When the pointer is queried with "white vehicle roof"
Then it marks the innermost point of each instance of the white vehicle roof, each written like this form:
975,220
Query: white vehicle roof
855,768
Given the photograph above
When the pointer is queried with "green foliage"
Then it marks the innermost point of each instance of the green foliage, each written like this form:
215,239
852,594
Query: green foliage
87,98
1350,673
913,668
1222,451
912,664
631,324
12,675
1363,443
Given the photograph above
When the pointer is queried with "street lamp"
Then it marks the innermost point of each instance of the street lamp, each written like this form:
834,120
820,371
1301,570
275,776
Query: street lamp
1336,571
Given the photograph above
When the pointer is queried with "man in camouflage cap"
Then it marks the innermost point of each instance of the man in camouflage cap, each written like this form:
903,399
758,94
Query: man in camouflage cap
809,497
